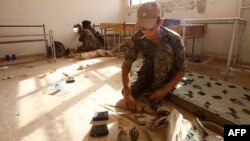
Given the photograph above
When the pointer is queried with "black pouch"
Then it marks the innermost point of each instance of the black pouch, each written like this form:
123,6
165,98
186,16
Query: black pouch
101,116
99,130
70,80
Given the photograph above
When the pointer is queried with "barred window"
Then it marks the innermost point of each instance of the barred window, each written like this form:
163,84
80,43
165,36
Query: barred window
136,2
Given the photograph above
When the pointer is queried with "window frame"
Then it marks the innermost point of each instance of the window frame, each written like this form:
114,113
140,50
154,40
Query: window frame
130,3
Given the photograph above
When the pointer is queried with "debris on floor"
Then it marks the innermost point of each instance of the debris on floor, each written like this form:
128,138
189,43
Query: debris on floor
70,80
65,74
4,68
8,77
81,67
86,76
42,76
31,66
23,75
134,134
55,88
122,135
91,54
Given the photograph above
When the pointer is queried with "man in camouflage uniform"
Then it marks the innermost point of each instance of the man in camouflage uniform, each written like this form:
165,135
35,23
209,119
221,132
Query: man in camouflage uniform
163,58
89,41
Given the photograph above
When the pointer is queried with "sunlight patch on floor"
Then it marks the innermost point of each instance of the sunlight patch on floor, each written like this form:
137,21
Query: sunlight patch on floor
26,86
109,71
38,132
106,90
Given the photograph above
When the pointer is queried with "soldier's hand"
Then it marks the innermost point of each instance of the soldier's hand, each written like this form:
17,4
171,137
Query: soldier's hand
157,95
130,101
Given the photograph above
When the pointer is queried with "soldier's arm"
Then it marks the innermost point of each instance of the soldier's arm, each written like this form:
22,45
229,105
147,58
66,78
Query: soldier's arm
126,67
127,64
180,55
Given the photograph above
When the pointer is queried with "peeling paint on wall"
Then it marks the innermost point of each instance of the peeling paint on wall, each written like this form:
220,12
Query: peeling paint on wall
186,5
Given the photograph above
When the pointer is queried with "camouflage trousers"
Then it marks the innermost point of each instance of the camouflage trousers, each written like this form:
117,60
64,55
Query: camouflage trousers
141,81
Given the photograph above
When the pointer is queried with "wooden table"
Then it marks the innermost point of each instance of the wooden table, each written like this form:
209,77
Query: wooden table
122,29
104,28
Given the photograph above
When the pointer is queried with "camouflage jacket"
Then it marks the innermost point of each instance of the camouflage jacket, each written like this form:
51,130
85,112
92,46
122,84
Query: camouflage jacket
90,42
167,58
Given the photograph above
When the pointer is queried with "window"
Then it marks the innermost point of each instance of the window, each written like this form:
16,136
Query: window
136,2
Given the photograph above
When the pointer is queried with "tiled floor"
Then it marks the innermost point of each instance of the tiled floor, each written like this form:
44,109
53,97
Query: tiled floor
237,76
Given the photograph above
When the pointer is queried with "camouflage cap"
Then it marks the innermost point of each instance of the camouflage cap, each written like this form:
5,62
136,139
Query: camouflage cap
147,14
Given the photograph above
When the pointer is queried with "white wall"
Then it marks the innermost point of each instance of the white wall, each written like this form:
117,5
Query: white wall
214,9
219,36
57,15
61,15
